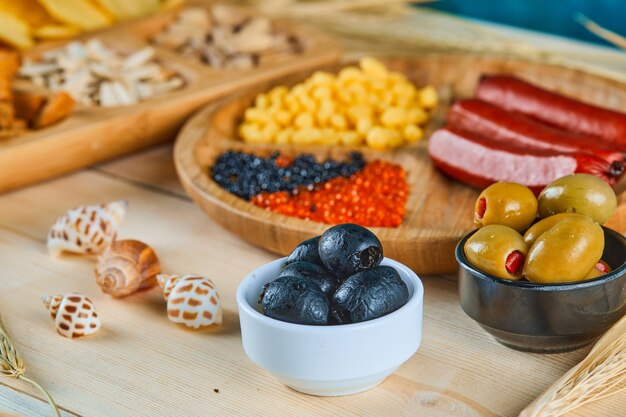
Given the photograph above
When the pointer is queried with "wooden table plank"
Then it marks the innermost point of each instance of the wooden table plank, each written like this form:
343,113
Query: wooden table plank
12,399
140,364
153,167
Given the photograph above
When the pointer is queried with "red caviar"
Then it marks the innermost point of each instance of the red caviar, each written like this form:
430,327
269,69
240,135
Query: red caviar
374,197
283,161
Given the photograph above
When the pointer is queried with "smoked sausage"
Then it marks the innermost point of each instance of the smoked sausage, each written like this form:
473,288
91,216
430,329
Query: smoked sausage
514,94
480,162
492,122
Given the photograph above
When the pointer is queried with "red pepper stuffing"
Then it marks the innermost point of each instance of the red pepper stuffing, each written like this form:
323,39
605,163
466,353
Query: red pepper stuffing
283,161
602,267
482,208
514,262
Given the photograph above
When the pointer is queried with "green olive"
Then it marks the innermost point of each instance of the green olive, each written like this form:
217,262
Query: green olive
497,250
601,268
543,225
506,203
566,252
578,193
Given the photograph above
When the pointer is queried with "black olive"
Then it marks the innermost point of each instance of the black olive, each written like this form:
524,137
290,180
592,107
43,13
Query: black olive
295,300
348,248
324,279
368,295
305,252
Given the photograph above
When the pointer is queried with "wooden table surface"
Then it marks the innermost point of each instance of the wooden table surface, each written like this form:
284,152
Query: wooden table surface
140,364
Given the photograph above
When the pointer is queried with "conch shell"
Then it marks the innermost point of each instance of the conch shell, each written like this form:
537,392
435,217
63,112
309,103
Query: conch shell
192,300
74,314
127,266
86,229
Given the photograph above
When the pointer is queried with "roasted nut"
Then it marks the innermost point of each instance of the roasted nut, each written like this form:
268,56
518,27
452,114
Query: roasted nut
224,38
96,75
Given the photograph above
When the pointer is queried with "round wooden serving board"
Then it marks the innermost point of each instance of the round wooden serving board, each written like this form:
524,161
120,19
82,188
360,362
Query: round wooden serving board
439,210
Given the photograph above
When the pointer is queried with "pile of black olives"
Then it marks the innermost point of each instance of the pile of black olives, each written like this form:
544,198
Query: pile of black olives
555,238
335,278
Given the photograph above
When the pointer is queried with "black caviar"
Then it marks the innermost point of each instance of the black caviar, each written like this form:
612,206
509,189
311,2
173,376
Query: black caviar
246,175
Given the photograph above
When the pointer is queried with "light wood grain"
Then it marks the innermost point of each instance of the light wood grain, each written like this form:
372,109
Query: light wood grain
93,134
439,210
17,403
143,365
152,167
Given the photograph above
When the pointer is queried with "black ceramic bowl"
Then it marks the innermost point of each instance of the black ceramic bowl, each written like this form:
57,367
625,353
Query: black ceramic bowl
546,317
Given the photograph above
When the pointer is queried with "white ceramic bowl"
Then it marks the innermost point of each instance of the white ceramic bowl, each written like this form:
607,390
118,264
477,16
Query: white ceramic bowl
329,360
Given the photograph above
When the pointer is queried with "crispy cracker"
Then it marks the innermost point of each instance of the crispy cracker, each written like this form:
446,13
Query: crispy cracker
28,105
57,107
7,114
19,124
9,63
5,89
11,132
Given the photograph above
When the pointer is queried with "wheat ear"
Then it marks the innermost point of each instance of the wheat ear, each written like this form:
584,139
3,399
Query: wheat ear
12,365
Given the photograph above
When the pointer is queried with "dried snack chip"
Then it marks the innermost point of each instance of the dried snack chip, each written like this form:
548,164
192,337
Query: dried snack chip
56,31
125,9
15,31
81,13
31,11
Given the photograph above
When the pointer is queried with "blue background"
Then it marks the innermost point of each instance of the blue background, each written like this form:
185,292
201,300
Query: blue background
552,16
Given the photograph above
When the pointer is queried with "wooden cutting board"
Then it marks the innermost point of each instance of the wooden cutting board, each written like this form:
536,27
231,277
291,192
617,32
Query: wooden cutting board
439,210
92,134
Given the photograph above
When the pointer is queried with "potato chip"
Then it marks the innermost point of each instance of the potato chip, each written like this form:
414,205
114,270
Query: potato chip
29,11
171,4
15,31
80,13
125,9
52,32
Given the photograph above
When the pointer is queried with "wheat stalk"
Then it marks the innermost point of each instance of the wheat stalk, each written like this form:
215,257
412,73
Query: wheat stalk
326,7
391,26
601,374
601,32
393,23
12,365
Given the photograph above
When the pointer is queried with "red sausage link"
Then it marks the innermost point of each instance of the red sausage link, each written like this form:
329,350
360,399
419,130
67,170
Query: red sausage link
480,162
514,94
492,122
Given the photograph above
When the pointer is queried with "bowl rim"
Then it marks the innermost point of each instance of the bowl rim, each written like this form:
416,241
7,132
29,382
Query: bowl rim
416,298
561,286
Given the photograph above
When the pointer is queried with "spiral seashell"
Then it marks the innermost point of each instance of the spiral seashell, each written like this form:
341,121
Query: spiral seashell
191,300
127,266
74,314
86,229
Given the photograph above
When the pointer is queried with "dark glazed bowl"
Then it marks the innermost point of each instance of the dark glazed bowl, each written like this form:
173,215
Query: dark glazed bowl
546,317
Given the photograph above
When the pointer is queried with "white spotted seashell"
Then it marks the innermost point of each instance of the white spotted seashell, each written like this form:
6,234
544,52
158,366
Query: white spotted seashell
192,300
74,314
86,229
